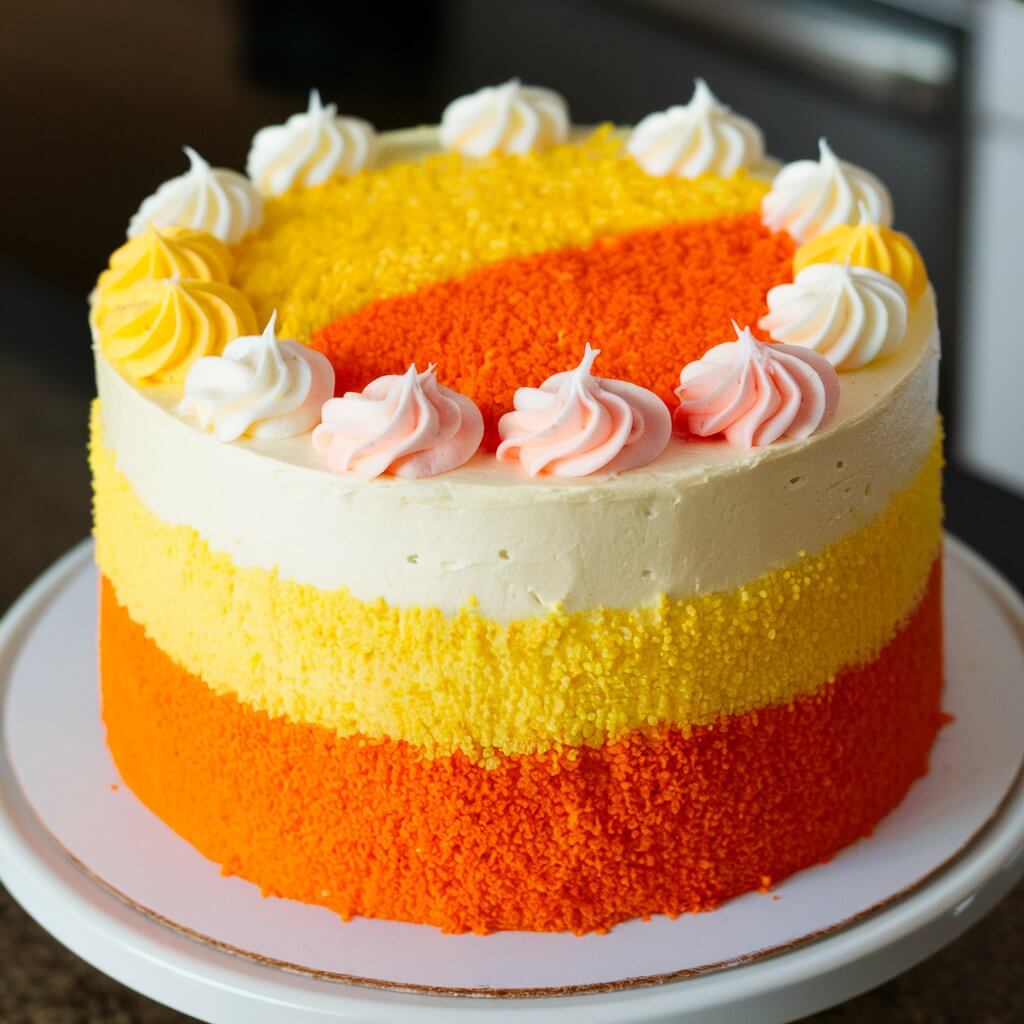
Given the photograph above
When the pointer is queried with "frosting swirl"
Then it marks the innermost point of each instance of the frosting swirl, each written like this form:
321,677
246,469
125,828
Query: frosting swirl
755,393
851,315
811,196
160,328
509,118
868,245
260,387
206,198
407,425
309,148
157,254
702,137
576,424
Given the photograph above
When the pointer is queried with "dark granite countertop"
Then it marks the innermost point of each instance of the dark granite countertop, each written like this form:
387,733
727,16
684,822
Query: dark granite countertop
979,979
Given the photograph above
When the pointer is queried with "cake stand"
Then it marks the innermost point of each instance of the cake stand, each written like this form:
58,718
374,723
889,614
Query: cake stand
121,890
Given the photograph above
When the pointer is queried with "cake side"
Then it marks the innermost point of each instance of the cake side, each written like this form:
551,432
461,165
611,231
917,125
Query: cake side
574,840
469,683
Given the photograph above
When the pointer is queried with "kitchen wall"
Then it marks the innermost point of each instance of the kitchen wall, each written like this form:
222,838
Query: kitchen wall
990,440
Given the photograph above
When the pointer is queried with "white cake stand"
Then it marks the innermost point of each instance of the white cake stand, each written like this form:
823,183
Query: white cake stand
111,882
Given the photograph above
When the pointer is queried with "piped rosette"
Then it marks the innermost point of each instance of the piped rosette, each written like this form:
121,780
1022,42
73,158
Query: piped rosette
157,329
213,199
702,137
309,149
405,425
851,315
871,245
755,393
259,387
576,424
511,118
809,197
159,254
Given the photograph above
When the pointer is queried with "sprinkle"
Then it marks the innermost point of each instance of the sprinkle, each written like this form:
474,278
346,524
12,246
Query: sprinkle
571,840
327,251
651,301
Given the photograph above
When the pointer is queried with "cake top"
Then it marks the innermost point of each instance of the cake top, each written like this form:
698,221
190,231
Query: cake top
497,253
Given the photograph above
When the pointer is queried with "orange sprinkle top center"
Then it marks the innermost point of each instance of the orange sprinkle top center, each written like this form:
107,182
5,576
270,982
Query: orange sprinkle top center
651,301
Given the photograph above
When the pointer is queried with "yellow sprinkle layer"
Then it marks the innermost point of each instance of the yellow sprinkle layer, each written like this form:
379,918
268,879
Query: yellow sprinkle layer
327,251
483,687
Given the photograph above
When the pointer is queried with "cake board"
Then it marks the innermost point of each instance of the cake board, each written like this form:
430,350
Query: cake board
116,886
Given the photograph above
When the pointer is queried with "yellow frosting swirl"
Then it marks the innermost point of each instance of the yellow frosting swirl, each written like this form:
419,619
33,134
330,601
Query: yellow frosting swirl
161,253
868,245
158,329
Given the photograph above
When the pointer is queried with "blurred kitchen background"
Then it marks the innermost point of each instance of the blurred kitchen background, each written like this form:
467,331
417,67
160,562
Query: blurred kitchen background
97,98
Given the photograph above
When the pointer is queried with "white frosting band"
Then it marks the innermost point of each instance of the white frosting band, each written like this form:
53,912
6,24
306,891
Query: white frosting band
521,546
851,315
259,387
703,137
205,198
309,148
809,197
510,118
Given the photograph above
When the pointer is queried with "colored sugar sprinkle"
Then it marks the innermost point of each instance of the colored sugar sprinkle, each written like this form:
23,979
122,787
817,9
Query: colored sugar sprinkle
328,251
575,839
650,301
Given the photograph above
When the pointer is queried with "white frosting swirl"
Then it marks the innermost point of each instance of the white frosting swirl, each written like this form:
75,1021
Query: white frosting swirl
576,424
406,425
509,118
811,196
851,315
703,137
260,387
206,198
309,148
755,393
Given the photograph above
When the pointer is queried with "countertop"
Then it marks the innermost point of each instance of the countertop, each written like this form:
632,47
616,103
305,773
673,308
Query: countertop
979,979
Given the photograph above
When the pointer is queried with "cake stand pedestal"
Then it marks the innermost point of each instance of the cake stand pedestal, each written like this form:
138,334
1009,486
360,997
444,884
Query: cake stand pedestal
121,890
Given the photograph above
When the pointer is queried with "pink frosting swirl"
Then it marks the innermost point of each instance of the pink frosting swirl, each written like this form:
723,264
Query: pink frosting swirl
407,425
575,424
755,393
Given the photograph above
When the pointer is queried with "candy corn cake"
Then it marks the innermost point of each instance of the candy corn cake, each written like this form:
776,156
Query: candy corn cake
507,525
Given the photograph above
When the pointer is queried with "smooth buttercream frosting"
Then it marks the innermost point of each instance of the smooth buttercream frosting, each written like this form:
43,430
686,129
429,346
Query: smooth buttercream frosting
755,393
158,329
406,425
812,196
309,148
851,315
520,545
510,118
576,424
260,387
867,244
214,199
702,137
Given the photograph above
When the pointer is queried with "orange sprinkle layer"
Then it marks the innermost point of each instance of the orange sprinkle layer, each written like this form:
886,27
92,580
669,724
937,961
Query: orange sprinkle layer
651,301
577,839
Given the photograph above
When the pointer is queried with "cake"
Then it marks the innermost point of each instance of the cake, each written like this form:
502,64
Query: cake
508,525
